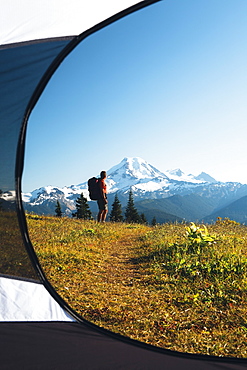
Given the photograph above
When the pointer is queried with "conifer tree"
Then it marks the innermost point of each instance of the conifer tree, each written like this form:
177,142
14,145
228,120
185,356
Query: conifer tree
153,222
82,208
58,210
131,214
143,219
116,212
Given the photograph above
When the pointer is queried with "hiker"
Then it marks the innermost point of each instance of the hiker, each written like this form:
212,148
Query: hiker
102,201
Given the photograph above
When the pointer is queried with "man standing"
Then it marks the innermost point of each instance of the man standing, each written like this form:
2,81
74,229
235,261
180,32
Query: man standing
102,201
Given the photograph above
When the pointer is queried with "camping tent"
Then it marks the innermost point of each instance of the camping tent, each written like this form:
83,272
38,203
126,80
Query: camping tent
38,329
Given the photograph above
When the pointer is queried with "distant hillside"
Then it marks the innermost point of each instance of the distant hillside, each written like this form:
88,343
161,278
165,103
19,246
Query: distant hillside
236,211
189,207
161,217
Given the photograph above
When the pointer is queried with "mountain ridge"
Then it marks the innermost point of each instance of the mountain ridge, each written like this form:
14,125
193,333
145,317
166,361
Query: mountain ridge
146,182
236,211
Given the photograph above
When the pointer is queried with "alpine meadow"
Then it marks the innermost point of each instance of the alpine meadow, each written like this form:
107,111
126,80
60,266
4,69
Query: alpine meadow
178,286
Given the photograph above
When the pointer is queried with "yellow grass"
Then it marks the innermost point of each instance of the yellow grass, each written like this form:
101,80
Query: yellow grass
114,275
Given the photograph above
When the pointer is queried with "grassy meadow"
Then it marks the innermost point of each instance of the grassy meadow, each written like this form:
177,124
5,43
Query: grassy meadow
181,287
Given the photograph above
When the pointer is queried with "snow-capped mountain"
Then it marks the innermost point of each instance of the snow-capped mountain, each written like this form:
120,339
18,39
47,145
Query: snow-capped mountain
146,182
205,177
131,172
143,177
179,175
137,174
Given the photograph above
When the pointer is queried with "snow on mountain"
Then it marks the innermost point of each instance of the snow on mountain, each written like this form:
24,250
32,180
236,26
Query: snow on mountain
205,177
8,195
52,193
132,172
135,172
179,175
135,167
37,195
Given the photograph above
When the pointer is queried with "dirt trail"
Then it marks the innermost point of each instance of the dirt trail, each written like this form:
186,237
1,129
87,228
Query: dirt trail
118,266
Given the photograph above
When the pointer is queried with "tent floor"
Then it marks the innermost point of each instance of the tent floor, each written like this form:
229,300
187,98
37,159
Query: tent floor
62,345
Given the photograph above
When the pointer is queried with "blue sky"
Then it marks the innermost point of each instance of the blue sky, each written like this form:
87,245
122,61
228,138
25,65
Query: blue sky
167,84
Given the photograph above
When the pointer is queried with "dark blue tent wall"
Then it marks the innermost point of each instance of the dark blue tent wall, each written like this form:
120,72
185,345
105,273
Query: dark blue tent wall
21,70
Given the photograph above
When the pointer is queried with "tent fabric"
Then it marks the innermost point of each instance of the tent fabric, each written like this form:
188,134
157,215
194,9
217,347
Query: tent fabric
36,20
14,259
21,70
63,346
22,300
35,37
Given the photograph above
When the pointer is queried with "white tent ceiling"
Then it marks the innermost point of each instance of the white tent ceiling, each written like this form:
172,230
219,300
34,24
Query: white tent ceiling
27,20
